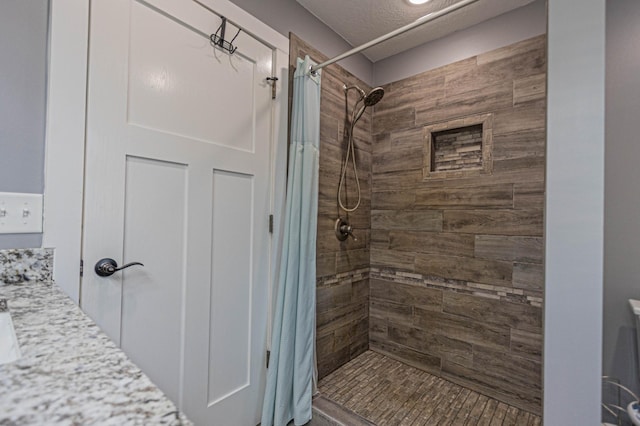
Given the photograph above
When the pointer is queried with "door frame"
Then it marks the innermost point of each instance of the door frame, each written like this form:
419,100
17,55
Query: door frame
66,124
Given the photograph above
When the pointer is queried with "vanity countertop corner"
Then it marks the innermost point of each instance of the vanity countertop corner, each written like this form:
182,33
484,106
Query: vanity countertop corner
70,372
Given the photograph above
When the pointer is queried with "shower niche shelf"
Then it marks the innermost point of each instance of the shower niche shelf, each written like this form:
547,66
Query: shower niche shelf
459,148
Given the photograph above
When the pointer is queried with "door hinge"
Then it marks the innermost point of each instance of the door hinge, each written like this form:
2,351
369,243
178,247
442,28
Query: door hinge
273,81
81,267
271,224
268,357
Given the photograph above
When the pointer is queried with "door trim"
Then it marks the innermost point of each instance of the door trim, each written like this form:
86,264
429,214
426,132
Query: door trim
64,139
66,121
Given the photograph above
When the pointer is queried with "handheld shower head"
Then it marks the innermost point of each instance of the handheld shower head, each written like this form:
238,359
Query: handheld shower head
370,99
374,96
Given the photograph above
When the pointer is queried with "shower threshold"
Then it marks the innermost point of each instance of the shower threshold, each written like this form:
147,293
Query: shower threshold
374,389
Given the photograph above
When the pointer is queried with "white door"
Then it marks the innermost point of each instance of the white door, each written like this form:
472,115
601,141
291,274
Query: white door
178,178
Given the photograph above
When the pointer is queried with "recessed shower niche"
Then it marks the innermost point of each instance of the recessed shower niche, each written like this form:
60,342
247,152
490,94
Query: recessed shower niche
459,148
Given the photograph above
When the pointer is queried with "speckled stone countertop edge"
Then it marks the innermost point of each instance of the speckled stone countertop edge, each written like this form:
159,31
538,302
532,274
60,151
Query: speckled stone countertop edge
26,265
70,372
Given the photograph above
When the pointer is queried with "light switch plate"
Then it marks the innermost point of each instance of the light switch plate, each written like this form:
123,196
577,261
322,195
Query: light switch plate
20,213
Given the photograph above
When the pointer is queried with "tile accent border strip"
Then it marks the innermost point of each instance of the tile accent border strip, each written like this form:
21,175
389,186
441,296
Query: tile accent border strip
18,266
508,294
350,276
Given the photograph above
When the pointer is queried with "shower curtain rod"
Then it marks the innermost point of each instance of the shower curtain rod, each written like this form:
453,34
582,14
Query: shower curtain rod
418,22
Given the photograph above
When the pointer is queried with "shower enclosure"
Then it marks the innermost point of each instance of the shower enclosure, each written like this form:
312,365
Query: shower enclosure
446,274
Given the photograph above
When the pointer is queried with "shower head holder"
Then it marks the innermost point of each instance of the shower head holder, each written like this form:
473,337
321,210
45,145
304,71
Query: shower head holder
346,89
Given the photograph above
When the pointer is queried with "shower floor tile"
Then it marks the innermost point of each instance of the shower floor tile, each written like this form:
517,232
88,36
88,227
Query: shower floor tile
389,393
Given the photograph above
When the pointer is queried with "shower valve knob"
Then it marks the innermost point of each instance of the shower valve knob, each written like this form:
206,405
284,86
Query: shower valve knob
348,229
344,230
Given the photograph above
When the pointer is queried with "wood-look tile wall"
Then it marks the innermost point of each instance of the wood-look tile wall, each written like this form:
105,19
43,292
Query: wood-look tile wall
342,313
456,263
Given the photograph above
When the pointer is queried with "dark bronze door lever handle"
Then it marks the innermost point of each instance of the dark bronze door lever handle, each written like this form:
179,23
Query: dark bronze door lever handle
107,266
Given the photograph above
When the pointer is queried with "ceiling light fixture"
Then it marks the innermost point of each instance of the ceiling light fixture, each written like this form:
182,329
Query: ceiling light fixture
418,1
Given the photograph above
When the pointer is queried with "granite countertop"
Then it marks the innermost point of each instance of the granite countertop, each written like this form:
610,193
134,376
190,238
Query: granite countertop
70,372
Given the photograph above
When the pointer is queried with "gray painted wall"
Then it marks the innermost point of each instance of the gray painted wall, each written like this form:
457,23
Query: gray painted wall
574,212
287,16
622,194
503,30
23,49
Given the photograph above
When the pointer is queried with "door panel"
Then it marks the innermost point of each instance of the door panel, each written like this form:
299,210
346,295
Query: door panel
231,284
152,296
169,75
178,178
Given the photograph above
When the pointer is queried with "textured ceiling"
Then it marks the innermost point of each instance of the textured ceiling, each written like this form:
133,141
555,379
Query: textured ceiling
359,21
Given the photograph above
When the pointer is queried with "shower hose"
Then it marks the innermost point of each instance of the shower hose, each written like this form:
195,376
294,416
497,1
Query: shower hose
350,153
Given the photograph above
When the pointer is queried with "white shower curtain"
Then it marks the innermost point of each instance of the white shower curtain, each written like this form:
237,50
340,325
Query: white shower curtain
291,367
